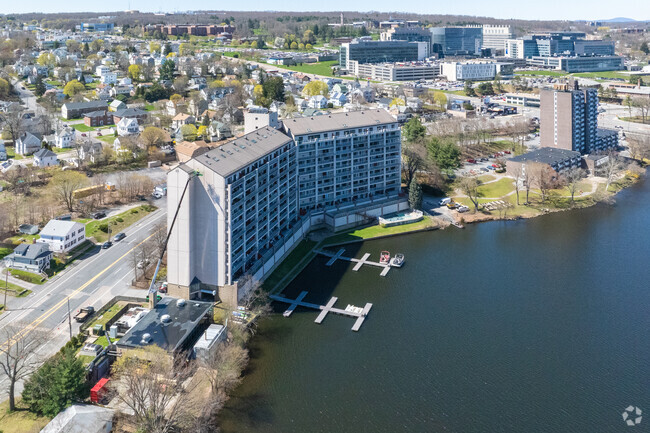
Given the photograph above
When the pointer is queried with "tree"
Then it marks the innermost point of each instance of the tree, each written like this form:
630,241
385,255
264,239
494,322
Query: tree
146,381
469,90
545,178
18,357
485,89
274,89
152,136
60,382
444,152
469,186
415,194
63,185
134,72
527,182
73,88
413,159
13,123
414,130
154,46
167,70
397,102
440,99
5,88
517,175
497,85
644,48
46,59
572,177
316,87
610,168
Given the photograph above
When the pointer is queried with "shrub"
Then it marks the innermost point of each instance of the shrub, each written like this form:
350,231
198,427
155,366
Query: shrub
103,227
119,219
134,211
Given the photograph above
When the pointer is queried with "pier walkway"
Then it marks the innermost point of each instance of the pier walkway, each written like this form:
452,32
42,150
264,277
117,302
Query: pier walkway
358,263
360,316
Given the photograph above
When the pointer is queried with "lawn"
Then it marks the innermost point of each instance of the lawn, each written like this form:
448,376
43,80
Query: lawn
377,231
108,138
497,189
295,257
108,314
5,251
11,152
54,83
636,119
149,107
82,127
118,222
14,289
544,73
602,74
27,276
20,421
21,238
320,68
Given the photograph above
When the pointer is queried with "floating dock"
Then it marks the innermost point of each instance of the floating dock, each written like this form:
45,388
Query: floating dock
358,263
324,309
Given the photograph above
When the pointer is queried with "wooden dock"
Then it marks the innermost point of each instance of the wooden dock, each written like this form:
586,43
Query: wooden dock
358,262
324,309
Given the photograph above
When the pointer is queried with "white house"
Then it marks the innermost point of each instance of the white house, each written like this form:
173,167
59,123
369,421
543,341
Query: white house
62,236
102,69
65,137
109,78
116,105
318,101
338,99
27,144
92,151
45,158
127,126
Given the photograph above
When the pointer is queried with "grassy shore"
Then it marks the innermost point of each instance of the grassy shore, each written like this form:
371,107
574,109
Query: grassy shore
377,231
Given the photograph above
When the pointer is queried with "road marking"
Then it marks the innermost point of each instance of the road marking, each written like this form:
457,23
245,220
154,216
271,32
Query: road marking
30,327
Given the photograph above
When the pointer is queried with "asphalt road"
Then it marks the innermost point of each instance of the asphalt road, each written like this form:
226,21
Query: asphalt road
93,279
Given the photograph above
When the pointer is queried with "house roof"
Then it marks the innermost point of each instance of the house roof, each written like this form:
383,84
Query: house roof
81,419
337,121
191,149
181,116
86,104
239,153
129,112
98,113
31,251
44,153
59,228
170,336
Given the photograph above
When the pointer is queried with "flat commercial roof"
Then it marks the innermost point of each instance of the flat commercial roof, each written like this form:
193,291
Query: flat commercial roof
239,153
546,155
169,336
337,121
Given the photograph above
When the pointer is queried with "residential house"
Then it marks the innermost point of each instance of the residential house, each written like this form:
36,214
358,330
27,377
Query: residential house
338,99
182,119
92,151
3,151
318,102
64,138
30,257
174,108
109,78
219,131
116,105
130,113
62,236
186,150
197,107
27,144
117,90
45,158
128,126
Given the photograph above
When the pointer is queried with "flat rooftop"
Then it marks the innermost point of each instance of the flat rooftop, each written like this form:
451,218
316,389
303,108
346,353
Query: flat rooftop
337,121
546,155
241,152
170,336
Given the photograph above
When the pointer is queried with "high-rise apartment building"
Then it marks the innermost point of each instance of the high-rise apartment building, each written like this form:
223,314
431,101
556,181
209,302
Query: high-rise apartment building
569,120
259,194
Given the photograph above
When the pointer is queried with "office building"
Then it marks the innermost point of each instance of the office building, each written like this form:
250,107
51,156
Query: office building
381,52
462,71
573,64
97,27
556,44
495,37
456,41
195,30
558,160
260,194
406,71
569,120
409,34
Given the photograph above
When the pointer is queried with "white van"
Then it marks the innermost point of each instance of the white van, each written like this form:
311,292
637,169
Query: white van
444,201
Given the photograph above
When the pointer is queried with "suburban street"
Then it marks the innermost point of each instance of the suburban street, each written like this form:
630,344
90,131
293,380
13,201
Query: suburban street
93,279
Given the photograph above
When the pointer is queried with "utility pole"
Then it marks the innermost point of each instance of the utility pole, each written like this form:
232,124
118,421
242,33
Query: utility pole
69,319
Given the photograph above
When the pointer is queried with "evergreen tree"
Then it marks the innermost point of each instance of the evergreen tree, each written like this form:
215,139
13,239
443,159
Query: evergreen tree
415,194
167,70
40,86
414,130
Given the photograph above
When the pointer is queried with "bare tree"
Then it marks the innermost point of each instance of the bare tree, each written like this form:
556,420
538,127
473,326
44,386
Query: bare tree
469,187
545,177
639,146
572,178
64,184
13,123
517,175
18,357
414,157
610,168
527,181
148,383
159,237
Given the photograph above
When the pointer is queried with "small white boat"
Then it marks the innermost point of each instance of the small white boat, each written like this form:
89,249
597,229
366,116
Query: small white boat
384,258
398,260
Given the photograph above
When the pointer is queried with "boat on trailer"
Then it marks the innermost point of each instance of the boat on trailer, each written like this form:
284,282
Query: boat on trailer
398,260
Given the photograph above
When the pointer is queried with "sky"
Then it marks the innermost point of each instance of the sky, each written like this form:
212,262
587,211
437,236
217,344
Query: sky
519,9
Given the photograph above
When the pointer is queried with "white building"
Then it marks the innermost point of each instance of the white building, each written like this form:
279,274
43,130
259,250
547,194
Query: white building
495,37
3,150
62,236
474,71
109,78
127,126
258,117
27,144
45,158
65,137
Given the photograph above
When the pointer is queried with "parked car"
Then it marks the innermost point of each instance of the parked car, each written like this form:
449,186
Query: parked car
156,195
84,134
471,161
118,237
84,314
99,134
507,152
462,208
106,245
98,215
142,264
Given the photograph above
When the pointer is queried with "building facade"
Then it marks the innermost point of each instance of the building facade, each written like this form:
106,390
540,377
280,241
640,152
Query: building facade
569,120
495,37
407,71
457,41
62,236
578,63
381,52
462,71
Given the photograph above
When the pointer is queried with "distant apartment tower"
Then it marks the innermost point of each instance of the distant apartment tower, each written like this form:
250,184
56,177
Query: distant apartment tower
569,120
474,71
381,52
495,37
457,41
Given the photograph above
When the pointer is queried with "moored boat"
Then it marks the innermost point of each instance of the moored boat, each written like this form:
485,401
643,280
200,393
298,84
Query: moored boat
398,260
384,258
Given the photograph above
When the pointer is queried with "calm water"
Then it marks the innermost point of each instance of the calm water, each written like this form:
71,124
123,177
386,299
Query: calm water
524,326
